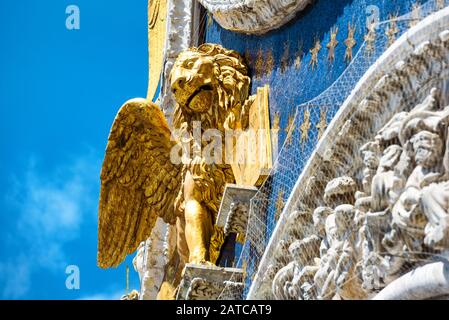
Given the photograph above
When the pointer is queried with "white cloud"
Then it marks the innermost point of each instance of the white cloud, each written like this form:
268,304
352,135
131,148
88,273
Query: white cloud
51,208
18,273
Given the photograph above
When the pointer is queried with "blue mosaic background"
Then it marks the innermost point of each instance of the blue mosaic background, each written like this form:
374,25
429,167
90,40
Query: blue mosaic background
292,86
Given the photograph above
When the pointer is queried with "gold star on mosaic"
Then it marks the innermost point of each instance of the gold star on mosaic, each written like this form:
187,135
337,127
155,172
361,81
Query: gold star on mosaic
314,51
392,30
416,14
332,45
350,43
298,61
269,63
298,58
289,129
259,64
279,205
322,125
370,38
440,4
305,127
285,57
248,57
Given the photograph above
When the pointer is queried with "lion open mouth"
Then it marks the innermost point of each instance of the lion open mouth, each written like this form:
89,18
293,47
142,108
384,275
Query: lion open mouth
199,99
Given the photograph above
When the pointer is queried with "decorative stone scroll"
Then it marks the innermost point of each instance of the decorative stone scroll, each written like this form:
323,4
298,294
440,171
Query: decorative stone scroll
234,208
202,282
254,16
369,215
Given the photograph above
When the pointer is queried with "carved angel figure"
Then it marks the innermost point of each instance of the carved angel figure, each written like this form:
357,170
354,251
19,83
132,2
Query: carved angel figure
140,181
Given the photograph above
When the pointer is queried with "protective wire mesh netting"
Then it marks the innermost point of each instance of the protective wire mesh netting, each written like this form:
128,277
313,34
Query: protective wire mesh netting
305,129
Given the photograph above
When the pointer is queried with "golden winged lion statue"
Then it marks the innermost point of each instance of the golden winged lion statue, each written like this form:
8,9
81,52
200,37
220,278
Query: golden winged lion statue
139,179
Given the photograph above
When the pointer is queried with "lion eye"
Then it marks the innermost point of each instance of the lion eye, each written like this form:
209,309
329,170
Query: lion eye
189,64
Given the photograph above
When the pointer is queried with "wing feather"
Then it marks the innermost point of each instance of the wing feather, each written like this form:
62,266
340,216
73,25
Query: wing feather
139,183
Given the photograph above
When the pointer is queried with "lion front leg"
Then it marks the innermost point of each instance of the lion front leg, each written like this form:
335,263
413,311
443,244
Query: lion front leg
198,231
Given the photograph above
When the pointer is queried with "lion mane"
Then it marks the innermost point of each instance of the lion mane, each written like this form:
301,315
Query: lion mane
232,89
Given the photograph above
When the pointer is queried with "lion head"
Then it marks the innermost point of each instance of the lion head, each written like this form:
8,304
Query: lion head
208,83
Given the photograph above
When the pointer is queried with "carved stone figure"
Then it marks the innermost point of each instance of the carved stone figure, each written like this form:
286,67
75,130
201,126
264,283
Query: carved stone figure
435,204
294,281
386,184
423,207
327,258
337,268
302,282
340,190
374,269
319,222
370,154
384,189
140,179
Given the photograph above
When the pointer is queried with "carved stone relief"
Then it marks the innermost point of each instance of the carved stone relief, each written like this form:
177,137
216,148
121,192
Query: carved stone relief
210,283
376,193
400,215
254,16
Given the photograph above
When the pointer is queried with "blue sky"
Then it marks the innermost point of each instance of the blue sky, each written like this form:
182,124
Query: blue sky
59,92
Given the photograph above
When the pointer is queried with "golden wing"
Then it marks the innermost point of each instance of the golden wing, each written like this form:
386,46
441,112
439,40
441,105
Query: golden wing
138,181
